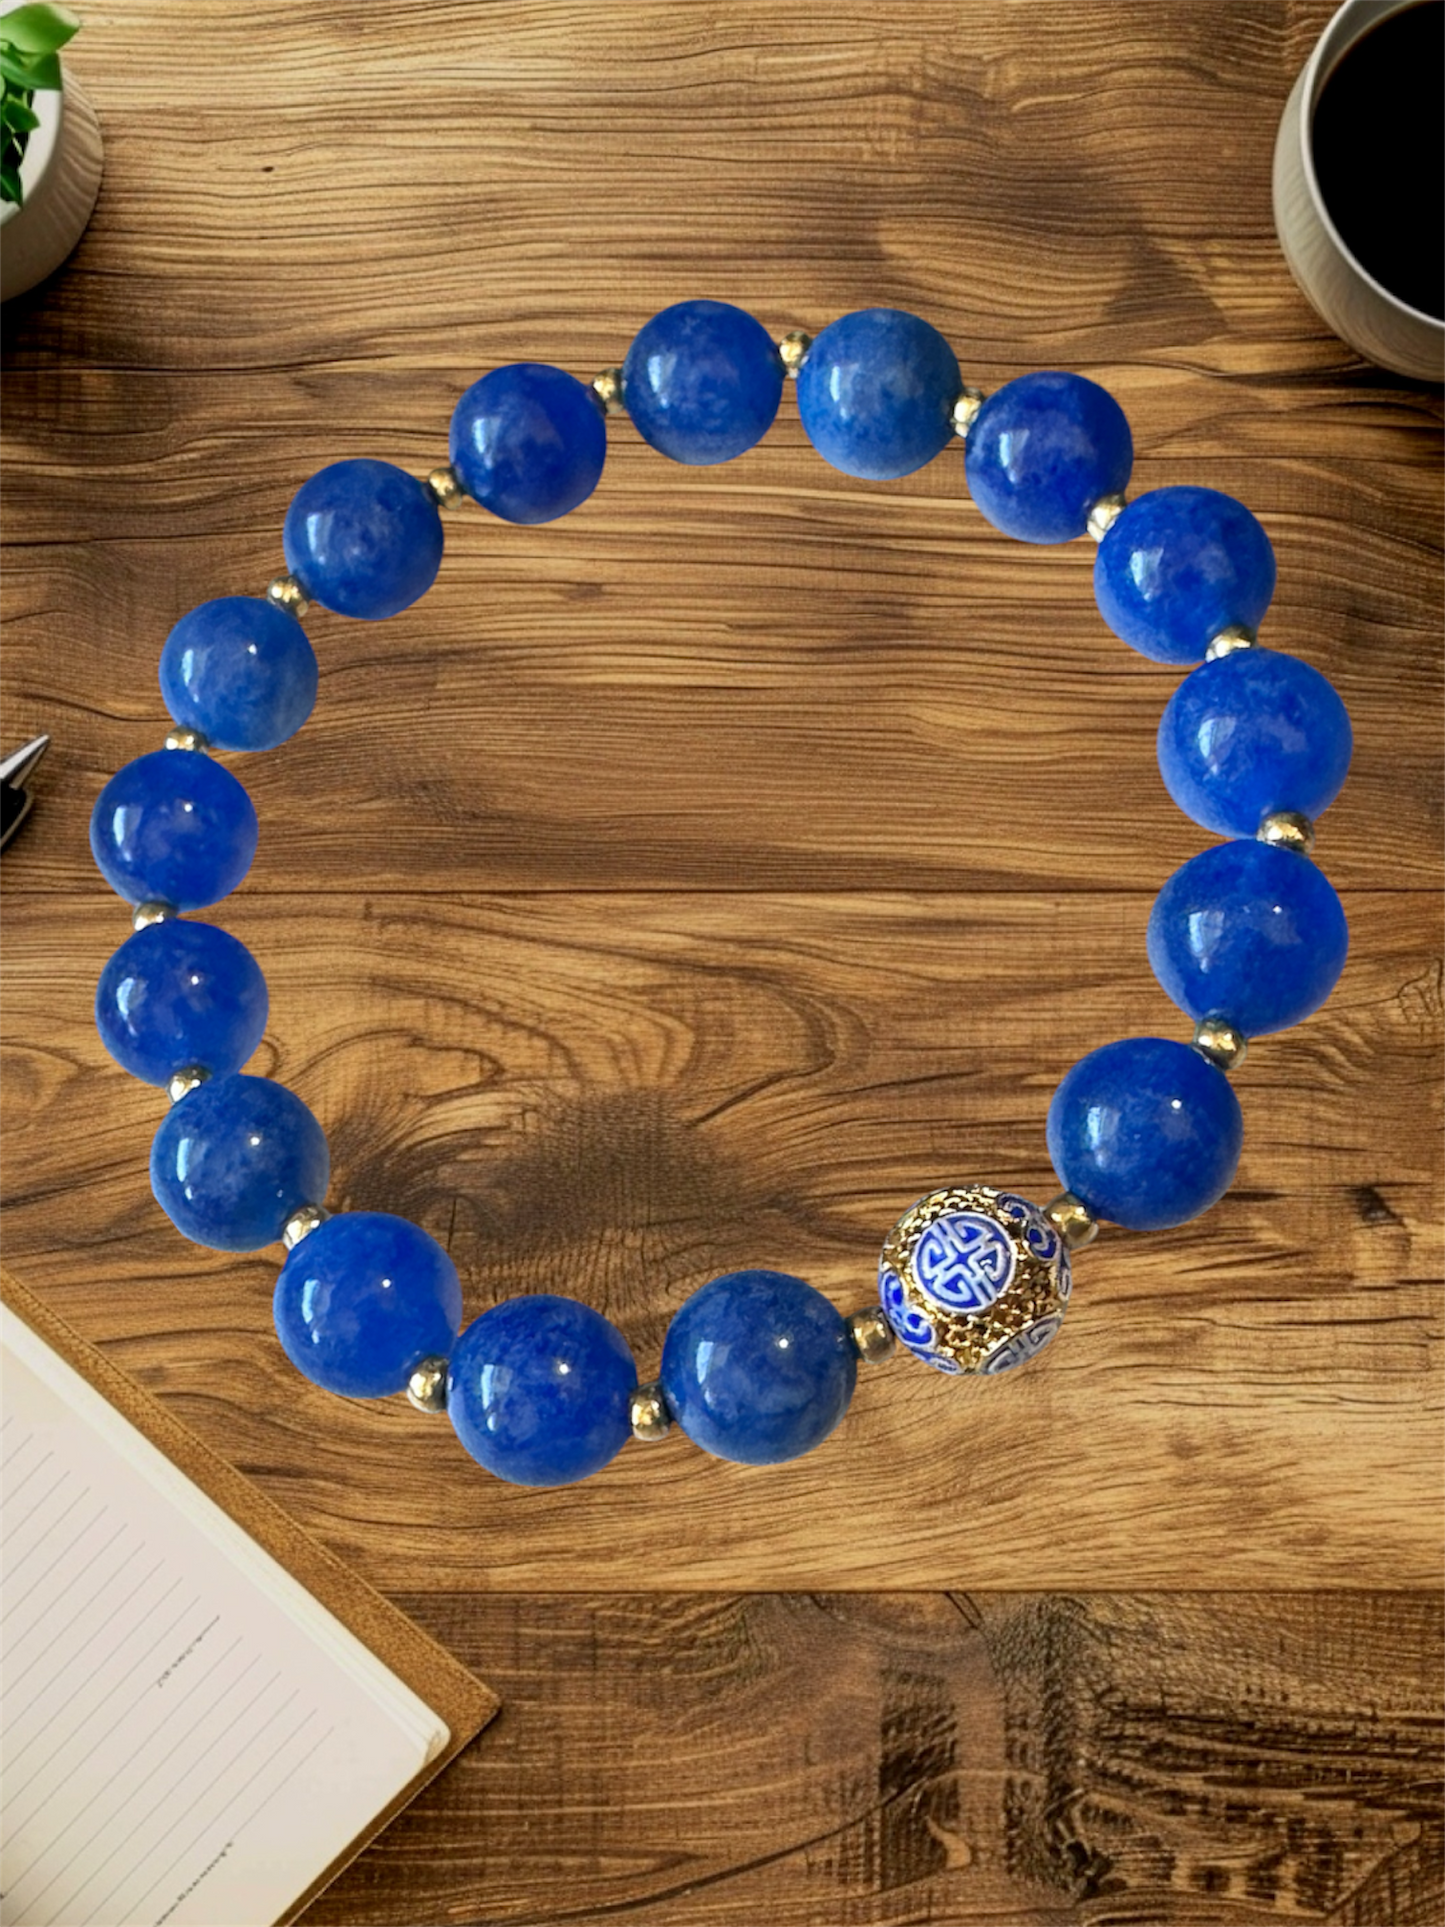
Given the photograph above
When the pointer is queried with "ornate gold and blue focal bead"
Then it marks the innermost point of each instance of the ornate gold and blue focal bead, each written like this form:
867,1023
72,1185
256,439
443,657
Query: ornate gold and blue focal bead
757,1366
974,1280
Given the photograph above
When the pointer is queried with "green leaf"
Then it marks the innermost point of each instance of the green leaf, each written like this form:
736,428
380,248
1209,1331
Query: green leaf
10,188
37,70
14,113
39,29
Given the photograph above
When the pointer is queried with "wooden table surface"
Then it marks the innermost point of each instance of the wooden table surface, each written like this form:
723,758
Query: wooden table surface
696,881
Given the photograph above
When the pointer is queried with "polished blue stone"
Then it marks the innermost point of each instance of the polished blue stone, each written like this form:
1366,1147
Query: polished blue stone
1250,933
758,1367
234,1158
702,381
363,538
173,827
241,671
1251,733
1147,1132
539,1389
1180,565
362,1300
179,993
876,393
528,442
1042,451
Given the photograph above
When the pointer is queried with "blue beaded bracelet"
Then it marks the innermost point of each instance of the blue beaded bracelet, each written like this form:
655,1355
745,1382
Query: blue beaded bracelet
757,1366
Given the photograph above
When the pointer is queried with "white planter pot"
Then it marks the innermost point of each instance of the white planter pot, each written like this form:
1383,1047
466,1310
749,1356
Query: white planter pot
61,178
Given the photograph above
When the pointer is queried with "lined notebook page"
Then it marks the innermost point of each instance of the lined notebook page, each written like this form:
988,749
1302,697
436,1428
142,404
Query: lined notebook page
189,1736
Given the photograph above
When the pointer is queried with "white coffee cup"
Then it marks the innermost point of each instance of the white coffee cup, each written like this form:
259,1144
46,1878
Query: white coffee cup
1346,297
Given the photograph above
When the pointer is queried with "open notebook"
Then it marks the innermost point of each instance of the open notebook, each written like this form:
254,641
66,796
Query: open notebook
190,1734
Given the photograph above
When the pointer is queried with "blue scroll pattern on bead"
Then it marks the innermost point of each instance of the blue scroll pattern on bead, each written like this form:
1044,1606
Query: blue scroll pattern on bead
913,1329
964,1262
1023,1346
1039,1235
940,1361
906,1319
968,1269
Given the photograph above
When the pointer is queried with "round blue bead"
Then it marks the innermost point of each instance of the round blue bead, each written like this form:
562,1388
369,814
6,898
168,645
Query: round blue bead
363,538
1147,1132
180,993
538,1390
702,381
173,827
758,1367
1250,933
234,1159
876,393
241,671
1180,565
1042,451
362,1300
1251,733
528,442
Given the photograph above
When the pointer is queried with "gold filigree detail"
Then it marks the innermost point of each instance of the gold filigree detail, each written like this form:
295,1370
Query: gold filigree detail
967,1338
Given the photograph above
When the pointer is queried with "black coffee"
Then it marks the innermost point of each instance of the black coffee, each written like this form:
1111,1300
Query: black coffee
1379,151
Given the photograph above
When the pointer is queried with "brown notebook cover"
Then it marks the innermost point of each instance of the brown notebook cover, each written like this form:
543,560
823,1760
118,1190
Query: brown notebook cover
458,1696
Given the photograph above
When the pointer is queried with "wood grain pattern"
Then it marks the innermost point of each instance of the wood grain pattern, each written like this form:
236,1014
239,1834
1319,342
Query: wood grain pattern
620,1095
716,870
962,1760
698,880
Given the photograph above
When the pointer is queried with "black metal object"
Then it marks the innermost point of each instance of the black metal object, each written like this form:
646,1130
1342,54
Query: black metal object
15,772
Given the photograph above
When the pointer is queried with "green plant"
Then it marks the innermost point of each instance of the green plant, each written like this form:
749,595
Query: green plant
30,41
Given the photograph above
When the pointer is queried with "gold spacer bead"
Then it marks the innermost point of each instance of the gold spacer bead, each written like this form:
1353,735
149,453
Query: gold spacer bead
1221,1043
1236,636
965,411
1103,515
182,737
871,1335
426,1389
287,593
607,387
444,486
793,351
154,910
650,1412
1073,1220
302,1222
182,1082
1287,830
